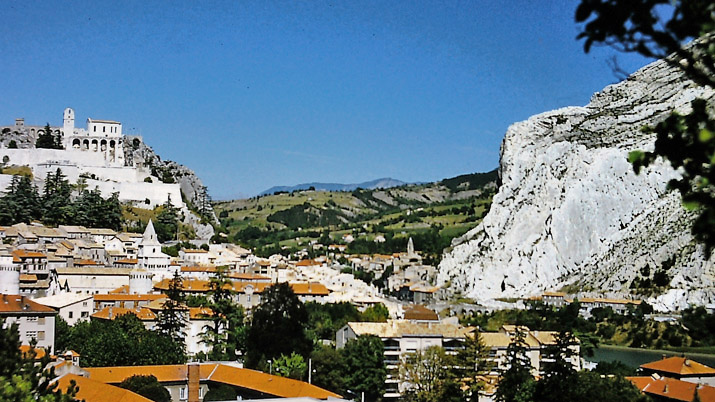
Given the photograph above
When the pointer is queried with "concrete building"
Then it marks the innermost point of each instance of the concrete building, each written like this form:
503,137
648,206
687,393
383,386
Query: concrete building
401,337
34,320
72,307
150,256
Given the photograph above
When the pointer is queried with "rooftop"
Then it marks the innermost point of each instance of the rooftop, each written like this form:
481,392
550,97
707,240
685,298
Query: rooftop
681,366
20,304
402,328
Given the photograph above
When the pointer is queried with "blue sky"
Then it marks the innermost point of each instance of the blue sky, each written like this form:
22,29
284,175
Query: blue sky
255,94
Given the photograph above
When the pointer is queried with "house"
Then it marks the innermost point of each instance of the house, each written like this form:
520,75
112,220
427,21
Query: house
401,337
92,280
680,368
664,389
72,307
190,382
34,320
195,257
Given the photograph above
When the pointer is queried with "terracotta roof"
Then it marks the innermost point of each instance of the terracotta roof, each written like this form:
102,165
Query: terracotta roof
238,377
96,391
20,253
681,366
307,263
39,352
199,313
122,290
194,251
127,297
21,304
111,313
28,277
554,294
312,288
86,262
198,269
673,389
127,261
420,313
248,276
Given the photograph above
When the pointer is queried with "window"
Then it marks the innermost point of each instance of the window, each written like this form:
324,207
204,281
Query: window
41,321
84,304
104,129
95,128
31,334
41,335
182,393
84,314
70,314
31,319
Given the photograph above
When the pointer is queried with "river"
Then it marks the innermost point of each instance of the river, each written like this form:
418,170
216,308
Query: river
634,357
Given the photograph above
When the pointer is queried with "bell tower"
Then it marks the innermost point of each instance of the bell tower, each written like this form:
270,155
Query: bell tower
68,126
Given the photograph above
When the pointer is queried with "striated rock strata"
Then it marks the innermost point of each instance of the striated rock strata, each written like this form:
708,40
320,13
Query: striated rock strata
571,213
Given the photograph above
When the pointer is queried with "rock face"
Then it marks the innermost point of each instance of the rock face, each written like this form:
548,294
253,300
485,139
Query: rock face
570,210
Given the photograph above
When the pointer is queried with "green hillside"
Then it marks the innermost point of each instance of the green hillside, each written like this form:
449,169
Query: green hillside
432,214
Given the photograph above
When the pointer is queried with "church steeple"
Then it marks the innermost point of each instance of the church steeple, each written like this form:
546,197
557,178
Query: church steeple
150,235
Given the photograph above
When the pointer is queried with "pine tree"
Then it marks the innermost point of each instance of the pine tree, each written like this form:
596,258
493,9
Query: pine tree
516,383
171,319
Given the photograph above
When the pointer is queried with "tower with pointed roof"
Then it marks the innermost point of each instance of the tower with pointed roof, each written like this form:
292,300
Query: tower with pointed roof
149,255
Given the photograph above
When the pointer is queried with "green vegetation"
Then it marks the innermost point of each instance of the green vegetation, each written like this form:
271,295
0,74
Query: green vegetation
123,341
324,320
147,386
23,380
695,329
432,214
47,140
23,203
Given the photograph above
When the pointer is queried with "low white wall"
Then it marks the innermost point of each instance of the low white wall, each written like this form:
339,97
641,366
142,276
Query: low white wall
156,193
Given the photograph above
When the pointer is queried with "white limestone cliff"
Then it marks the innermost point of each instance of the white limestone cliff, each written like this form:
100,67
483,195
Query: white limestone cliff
570,210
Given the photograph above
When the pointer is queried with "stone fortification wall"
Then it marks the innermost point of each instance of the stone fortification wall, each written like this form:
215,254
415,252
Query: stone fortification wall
139,193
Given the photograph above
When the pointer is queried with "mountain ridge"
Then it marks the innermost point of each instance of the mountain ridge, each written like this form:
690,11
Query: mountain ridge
385,182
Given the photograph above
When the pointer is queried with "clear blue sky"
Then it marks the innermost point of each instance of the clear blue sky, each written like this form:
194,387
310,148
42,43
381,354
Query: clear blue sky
256,94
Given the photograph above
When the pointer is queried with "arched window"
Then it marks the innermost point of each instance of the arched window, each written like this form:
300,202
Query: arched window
75,143
85,145
94,145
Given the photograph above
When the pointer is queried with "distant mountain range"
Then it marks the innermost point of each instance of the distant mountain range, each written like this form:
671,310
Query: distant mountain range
369,185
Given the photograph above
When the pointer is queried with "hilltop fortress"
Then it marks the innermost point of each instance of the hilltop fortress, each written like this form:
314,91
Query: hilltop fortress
100,155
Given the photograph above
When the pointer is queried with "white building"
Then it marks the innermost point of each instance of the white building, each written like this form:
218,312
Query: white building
34,320
72,307
149,255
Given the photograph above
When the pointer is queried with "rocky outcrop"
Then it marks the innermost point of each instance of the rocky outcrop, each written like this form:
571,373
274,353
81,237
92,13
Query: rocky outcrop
571,213
192,189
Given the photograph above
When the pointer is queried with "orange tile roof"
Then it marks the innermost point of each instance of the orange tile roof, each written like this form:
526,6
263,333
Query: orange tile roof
681,366
86,262
194,251
670,388
199,313
307,263
122,290
21,304
198,269
127,297
706,393
39,352
312,288
20,253
28,277
238,377
95,391
127,261
111,313
248,276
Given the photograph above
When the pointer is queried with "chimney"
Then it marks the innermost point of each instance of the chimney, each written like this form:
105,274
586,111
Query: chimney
193,374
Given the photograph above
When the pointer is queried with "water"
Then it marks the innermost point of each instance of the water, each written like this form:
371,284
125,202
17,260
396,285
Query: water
634,357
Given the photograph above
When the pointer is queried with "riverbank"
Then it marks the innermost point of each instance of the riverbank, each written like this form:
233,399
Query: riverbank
634,357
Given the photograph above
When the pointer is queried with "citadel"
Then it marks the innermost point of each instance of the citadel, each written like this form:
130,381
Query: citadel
101,155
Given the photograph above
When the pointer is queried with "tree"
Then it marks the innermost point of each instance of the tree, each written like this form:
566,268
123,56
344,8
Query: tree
147,386
21,203
47,140
516,383
428,374
278,326
167,222
559,374
171,319
329,369
364,361
56,199
687,140
376,313
123,341
292,366
226,333
62,333
23,380
473,361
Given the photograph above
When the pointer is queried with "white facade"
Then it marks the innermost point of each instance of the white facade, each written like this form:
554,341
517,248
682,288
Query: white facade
72,307
34,321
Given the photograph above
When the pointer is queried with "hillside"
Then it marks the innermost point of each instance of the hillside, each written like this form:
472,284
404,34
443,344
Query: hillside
432,213
369,185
